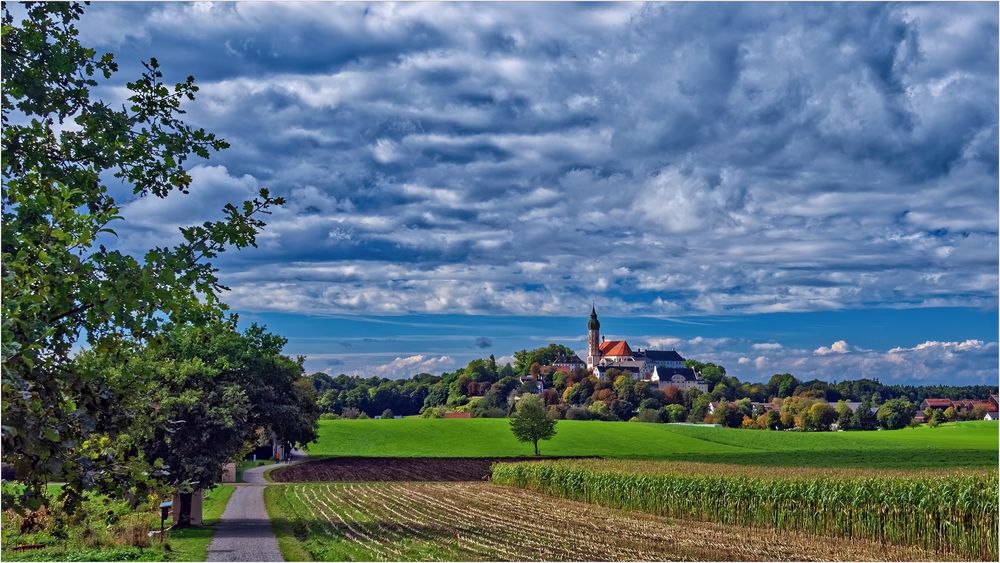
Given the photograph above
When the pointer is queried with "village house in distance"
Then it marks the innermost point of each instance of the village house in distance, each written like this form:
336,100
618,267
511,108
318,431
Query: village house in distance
664,368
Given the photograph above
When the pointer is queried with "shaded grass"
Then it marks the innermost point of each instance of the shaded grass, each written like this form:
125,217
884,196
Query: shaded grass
967,444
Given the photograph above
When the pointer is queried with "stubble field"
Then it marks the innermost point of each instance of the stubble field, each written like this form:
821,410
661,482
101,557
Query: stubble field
482,522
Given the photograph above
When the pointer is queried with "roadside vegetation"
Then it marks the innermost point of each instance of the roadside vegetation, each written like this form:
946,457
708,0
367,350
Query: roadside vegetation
102,529
482,522
124,375
954,513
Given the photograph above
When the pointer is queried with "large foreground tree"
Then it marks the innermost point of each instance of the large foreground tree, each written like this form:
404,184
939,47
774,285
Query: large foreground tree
62,289
199,396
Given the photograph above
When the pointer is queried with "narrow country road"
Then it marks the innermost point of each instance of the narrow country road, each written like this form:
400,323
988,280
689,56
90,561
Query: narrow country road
244,531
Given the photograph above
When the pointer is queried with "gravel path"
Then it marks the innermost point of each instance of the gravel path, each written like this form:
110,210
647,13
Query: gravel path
244,532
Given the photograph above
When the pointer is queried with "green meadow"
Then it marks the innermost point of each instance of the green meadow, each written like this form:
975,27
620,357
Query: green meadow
966,444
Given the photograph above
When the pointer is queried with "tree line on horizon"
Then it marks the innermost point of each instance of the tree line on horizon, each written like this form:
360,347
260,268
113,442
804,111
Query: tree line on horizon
485,389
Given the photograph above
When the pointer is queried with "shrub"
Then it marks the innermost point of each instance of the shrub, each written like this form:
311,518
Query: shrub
363,416
350,412
557,412
622,410
577,413
818,417
432,412
387,413
132,530
676,413
329,416
895,414
647,415
651,403
599,410
34,520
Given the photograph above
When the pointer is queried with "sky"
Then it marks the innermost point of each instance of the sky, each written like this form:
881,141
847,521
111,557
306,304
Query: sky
809,188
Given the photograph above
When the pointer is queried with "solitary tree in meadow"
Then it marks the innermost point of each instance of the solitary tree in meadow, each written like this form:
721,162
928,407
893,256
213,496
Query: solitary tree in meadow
530,422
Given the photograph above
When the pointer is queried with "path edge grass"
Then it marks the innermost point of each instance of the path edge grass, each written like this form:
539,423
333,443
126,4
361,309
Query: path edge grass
191,544
282,518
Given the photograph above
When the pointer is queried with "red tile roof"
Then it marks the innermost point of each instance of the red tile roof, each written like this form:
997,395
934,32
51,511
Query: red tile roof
615,348
938,403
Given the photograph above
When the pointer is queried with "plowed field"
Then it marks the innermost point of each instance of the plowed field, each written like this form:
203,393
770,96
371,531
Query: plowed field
477,521
389,469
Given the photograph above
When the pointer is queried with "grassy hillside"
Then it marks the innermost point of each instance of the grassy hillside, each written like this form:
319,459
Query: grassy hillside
970,444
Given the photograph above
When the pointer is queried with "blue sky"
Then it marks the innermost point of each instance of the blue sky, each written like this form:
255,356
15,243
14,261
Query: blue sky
798,187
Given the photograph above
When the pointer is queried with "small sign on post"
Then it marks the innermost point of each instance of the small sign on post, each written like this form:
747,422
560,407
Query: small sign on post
164,513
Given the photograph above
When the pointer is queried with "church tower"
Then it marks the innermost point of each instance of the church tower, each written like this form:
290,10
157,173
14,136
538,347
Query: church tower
593,339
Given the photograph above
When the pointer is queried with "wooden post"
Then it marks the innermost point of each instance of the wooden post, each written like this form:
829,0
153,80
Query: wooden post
187,508
229,473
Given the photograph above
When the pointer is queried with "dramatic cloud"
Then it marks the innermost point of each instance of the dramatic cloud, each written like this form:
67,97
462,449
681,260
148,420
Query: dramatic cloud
663,160
526,158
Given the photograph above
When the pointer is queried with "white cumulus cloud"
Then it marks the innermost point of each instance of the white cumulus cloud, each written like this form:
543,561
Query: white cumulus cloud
838,347
410,365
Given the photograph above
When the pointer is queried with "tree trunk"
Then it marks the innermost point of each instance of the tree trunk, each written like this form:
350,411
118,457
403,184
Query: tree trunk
536,448
185,514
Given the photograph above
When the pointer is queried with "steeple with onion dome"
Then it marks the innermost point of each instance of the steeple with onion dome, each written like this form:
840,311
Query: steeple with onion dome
593,338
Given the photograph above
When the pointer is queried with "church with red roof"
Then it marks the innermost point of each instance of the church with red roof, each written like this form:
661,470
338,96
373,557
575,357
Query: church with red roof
665,368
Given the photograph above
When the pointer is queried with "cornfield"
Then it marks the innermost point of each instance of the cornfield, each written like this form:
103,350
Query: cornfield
947,513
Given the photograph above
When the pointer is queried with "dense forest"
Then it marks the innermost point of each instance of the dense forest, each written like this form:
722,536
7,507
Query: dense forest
486,389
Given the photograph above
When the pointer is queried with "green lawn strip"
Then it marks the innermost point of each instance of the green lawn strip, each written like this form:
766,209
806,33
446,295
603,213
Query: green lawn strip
249,464
965,444
293,525
191,544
